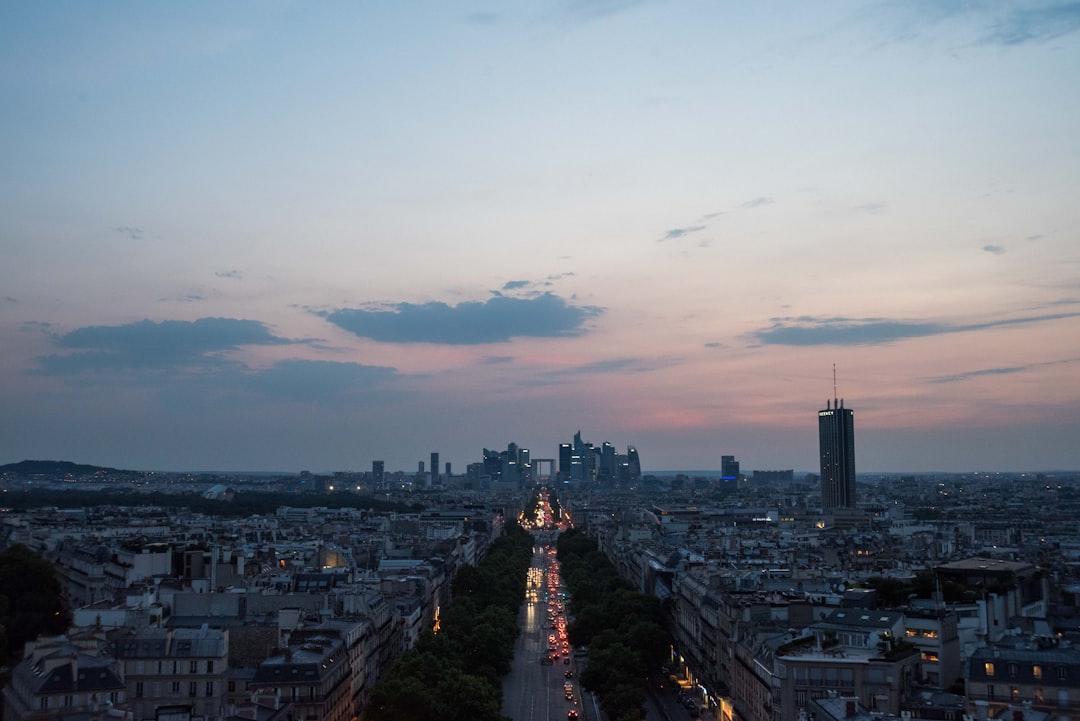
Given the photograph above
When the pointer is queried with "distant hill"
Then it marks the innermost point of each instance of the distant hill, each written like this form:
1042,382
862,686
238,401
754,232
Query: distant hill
61,468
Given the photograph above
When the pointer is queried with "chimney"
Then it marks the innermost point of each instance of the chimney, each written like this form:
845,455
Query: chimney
849,707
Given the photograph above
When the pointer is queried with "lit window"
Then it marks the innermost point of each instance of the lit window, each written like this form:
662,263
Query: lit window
1036,671
989,667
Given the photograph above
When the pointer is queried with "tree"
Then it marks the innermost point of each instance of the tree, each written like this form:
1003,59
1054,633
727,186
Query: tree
31,601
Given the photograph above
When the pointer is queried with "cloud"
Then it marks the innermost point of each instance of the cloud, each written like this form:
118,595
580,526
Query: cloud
974,374
613,365
37,326
228,274
812,331
714,344
9,299
1036,23
147,344
498,359
515,284
757,203
130,231
185,361
593,9
186,298
998,371
482,18
995,249
495,320
871,208
675,233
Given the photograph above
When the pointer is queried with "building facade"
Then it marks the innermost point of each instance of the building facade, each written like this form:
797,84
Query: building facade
836,438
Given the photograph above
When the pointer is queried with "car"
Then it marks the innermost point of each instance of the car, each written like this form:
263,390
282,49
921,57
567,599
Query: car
571,715
568,673
569,695
566,660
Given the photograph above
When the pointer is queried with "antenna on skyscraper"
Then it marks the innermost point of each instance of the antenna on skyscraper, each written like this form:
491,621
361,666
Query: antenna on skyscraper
834,393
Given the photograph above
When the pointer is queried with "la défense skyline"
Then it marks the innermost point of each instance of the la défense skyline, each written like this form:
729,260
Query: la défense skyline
285,236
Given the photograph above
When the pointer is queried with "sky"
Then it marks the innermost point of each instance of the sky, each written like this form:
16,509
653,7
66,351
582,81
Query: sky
281,236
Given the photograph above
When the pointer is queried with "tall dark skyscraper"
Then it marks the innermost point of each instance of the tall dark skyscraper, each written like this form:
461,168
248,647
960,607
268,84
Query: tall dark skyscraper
836,438
729,468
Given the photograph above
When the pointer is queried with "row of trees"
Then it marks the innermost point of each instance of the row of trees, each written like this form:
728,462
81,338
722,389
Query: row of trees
621,626
456,674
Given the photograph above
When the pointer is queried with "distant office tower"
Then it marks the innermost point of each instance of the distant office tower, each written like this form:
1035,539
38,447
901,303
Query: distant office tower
434,469
836,437
420,468
566,452
729,468
378,477
448,473
633,464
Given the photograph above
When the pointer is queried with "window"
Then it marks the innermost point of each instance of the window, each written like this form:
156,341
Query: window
209,688
800,699
1012,670
232,686
1014,693
1061,673
989,668
1036,671
989,692
138,689
193,689
194,667
209,666
176,687
1039,698
44,703
929,656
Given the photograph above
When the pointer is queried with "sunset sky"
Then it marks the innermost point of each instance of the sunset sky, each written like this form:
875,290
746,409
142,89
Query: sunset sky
282,235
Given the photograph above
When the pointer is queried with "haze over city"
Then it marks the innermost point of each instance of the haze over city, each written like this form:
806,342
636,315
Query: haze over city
274,236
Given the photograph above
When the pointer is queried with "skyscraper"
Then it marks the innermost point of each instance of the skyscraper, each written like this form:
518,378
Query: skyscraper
836,439
729,468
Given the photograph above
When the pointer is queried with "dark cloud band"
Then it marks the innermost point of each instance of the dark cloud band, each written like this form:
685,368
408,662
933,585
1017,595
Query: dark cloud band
811,331
495,320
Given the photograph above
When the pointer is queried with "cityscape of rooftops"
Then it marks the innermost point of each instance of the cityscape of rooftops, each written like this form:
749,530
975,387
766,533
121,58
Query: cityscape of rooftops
603,360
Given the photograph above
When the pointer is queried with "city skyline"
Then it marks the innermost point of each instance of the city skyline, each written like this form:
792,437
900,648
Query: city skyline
280,236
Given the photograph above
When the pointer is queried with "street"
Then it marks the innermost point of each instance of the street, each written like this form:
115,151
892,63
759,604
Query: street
534,690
